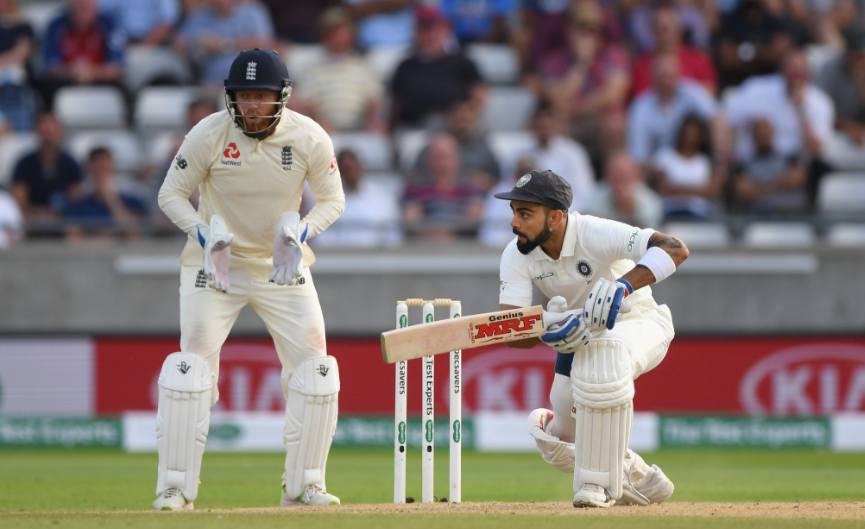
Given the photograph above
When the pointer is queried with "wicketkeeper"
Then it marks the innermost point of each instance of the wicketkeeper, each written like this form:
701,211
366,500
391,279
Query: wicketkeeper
617,333
247,245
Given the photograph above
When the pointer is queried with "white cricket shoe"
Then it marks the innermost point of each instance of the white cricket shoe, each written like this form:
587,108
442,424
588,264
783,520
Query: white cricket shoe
311,496
593,496
644,484
172,500
656,486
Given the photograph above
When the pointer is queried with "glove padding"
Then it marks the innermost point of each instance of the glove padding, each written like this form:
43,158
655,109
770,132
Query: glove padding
288,249
605,302
216,241
570,334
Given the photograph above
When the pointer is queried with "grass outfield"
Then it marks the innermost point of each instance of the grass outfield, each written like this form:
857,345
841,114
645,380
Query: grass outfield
87,485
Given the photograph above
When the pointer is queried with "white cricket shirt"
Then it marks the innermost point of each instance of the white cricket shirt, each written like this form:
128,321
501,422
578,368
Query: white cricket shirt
593,248
250,183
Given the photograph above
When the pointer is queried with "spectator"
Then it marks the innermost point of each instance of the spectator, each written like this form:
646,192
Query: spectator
11,220
81,47
479,21
623,196
45,179
476,155
768,181
751,42
106,210
655,116
593,92
372,215
684,174
145,22
843,79
213,35
561,155
694,63
383,22
442,205
434,77
801,115
495,228
5,126
692,19
16,47
296,21
342,92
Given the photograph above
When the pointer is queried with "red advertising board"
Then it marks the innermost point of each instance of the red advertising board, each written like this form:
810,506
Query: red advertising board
786,376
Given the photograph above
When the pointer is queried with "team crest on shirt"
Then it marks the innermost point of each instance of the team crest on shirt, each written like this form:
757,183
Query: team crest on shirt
287,157
585,269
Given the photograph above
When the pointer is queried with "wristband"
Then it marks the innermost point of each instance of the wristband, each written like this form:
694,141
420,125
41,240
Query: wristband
628,287
659,263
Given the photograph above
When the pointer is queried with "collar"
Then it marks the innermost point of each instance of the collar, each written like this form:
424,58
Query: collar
569,244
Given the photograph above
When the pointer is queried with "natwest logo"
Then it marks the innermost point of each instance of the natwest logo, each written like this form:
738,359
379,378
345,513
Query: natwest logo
505,327
814,379
231,151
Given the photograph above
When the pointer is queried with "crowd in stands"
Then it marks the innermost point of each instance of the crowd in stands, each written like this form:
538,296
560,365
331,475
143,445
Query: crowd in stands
655,111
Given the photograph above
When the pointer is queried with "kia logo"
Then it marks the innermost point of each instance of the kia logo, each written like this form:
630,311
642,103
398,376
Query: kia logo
811,379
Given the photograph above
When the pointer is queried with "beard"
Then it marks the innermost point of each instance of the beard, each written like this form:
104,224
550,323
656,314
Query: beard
531,244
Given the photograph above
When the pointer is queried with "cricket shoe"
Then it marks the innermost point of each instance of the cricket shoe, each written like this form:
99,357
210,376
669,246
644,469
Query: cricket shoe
311,496
643,484
172,500
593,496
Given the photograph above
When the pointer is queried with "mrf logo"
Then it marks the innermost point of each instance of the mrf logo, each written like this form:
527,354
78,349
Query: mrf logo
813,379
231,151
513,323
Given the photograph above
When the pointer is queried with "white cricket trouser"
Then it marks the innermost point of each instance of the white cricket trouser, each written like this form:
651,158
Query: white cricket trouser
292,314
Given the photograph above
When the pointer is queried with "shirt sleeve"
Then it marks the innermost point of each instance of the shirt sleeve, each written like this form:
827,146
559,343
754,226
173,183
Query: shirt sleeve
325,184
51,45
115,45
515,283
187,171
611,241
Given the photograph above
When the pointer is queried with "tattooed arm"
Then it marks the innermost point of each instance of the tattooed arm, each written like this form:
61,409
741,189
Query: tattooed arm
641,276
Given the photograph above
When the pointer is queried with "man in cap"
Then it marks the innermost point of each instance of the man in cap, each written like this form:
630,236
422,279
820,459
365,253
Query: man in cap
614,333
247,245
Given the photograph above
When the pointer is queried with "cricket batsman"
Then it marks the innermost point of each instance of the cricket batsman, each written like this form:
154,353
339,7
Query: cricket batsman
247,245
615,333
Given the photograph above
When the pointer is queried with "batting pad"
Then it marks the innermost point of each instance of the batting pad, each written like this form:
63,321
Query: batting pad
182,422
603,384
310,422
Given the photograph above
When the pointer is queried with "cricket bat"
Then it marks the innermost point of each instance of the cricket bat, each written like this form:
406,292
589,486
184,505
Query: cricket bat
467,332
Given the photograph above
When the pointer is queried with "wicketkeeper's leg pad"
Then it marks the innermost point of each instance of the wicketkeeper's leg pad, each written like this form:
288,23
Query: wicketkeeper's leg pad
310,422
182,422
603,384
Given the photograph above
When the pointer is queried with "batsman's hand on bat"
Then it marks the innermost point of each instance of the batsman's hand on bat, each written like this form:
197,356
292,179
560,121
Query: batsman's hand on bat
568,335
288,249
216,241
605,302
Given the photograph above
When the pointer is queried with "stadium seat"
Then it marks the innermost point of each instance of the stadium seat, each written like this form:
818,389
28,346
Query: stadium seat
779,235
507,109
161,147
818,55
842,193
844,155
373,150
40,14
299,57
89,107
124,146
409,145
846,235
700,234
146,65
384,60
498,64
509,146
163,108
12,148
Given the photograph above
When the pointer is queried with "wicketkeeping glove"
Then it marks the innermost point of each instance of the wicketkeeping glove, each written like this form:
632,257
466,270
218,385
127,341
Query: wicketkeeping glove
605,302
288,249
216,241
568,335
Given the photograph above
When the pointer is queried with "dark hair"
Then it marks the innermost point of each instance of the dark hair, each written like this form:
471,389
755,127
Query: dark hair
203,102
98,151
346,152
693,119
544,106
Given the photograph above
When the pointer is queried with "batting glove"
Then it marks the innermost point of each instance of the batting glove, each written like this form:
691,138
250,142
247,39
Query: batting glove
605,302
568,335
288,249
216,241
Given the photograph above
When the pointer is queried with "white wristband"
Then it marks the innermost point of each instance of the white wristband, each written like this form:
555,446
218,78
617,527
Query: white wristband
659,263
